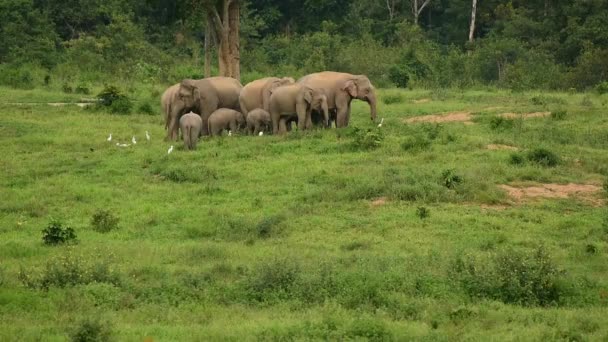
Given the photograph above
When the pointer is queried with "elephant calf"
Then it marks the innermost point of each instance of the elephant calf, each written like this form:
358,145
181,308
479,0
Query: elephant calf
258,120
225,119
191,125
296,99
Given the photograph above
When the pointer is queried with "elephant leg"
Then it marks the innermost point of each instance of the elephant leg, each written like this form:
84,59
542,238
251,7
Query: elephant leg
233,126
283,126
172,132
341,117
256,130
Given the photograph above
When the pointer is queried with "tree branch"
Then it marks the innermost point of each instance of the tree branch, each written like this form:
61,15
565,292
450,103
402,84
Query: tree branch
423,6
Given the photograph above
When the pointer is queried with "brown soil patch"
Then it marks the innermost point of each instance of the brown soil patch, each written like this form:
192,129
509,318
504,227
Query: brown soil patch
585,192
525,115
443,117
495,147
422,101
378,202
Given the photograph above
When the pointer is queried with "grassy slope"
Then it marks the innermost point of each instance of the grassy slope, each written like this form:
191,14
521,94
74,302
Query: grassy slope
201,232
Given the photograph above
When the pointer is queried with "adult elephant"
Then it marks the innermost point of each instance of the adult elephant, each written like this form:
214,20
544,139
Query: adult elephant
204,97
256,94
340,89
170,101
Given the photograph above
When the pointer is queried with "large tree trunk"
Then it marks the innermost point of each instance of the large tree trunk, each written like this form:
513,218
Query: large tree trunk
227,31
472,27
234,17
208,46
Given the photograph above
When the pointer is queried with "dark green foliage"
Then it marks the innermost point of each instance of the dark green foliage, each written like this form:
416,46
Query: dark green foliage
92,330
416,143
16,77
274,280
512,277
55,234
591,248
268,226
366,140
559,114
67,88
423,212
543,157
104,221
147,108
450,179
392,99
83,89
517,159
602,88
501,123
115,100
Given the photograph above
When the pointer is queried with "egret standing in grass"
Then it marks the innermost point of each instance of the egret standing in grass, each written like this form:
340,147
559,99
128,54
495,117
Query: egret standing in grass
147,136
229,133
380,124
122,145
133,140
170,150
110,137
261,133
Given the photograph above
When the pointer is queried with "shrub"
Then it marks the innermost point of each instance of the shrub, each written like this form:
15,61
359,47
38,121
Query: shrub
56,234
112,98
16,76
602,88
423,212
500,123
104,221
432,130
274,280
67,88
512,277
415,143
543,157
559,114
450,179
92,330
146,108
392,98
83,89
517,159
268,226
367,140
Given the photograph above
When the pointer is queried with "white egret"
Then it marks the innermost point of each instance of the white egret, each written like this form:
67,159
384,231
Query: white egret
133,140
229,133
380,124
147,136
110,137
261,133
170,150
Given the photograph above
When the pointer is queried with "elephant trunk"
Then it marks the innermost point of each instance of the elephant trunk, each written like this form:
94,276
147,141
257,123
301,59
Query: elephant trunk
371,99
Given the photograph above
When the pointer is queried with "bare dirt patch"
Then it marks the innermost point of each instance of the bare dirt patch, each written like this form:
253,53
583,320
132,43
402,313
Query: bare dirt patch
496,147
525,115
378,202
585,192
443,117
419,101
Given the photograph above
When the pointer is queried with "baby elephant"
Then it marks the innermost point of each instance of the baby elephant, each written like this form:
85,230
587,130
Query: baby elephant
225,119
298,100
258,120
191,125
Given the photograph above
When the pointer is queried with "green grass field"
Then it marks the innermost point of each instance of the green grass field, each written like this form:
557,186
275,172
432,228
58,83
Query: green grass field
396,233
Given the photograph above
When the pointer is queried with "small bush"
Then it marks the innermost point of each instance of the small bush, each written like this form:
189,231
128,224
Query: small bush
56,234
543,157
92,330
392,99
146,108
423,212
450,179
512,277
602,88
104,221
591,248
517,159
367,140
268,226
559,114
538,101
83,89
67,88
416,143
432,130
500,123
274,280
113,99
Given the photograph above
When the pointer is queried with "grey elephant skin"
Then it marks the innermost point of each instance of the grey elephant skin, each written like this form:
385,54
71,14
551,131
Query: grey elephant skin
191,126
341,89
258,121
296,99
204,97
172,106
256,94
225,119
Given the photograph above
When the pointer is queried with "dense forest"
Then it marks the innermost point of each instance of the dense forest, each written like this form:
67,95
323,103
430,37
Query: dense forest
534,44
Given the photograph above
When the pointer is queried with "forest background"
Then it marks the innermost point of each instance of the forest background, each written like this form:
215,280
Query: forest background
519,45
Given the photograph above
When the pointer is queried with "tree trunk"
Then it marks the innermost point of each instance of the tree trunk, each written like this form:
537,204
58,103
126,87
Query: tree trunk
234,17
208,46
472,27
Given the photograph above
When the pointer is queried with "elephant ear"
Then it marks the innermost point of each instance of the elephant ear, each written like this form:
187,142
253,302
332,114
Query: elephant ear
350,87
308,95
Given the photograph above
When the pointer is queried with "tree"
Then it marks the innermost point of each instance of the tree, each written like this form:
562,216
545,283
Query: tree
417,9
472,27
224,18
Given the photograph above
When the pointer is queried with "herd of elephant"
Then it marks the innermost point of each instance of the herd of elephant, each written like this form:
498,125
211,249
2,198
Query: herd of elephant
212,105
